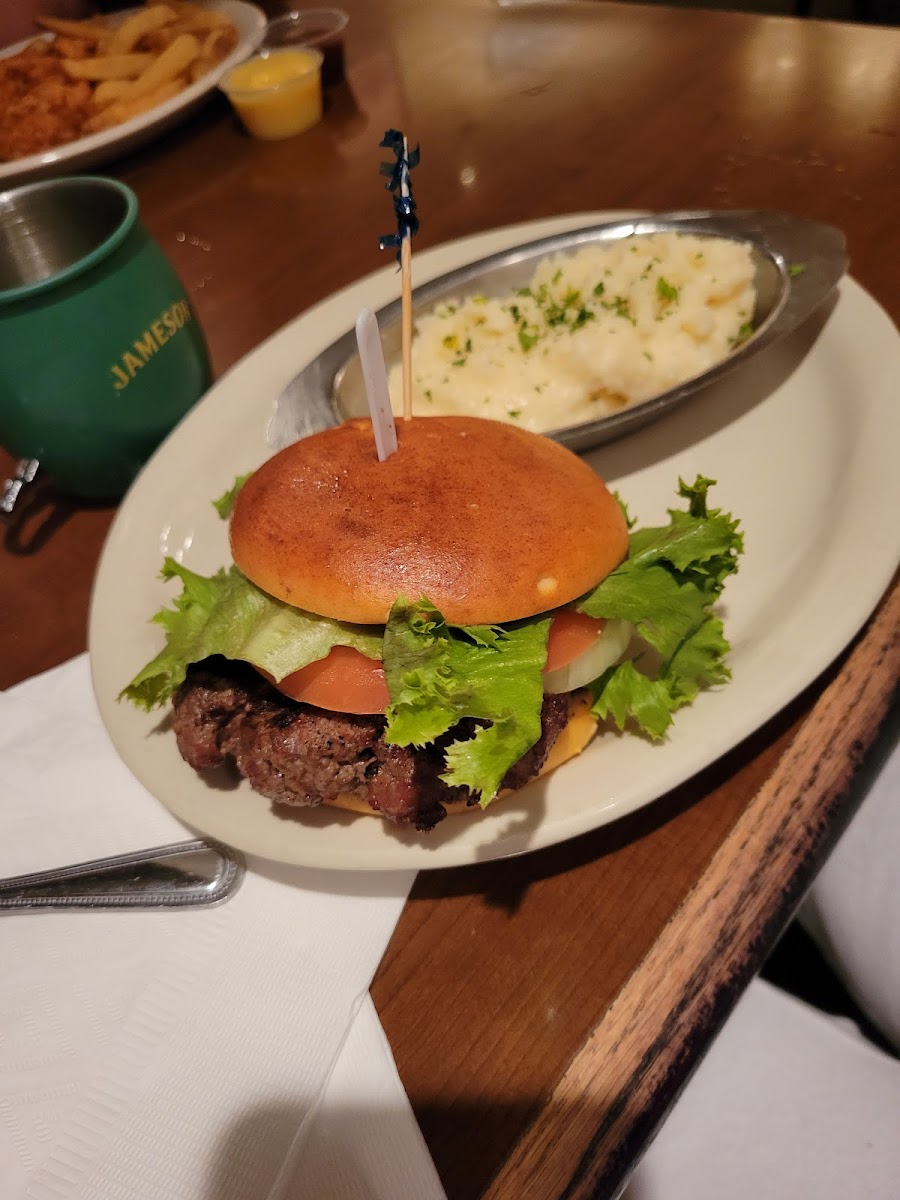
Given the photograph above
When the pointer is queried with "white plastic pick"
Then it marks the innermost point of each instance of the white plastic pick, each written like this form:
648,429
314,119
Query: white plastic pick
371,356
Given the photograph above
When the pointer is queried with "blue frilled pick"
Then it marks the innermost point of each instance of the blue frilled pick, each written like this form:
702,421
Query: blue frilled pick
397,174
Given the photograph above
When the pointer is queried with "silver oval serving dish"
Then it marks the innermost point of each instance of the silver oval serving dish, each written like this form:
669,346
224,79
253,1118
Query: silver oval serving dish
797,263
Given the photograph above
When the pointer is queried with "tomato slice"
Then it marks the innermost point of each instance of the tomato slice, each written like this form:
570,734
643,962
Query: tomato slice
344,681
571,634
347,681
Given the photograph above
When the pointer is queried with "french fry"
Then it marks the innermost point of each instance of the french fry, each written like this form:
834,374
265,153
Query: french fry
158,39
73,47
187,10
199,20
220,42
92,30
110,90
110,66
133,28
217,45
133,106
199,25
169,65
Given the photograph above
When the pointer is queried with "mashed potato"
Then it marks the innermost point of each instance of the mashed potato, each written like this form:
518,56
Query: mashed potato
608,326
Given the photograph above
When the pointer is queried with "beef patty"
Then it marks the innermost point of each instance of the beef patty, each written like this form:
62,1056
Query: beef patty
299,755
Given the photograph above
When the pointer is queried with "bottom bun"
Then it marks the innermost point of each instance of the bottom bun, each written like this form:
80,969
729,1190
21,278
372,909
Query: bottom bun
572,739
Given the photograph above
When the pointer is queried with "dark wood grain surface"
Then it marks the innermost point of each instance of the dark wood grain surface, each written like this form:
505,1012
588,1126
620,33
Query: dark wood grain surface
501,977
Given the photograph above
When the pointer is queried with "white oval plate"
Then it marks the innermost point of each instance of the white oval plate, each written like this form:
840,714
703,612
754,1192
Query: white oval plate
803,444
97,148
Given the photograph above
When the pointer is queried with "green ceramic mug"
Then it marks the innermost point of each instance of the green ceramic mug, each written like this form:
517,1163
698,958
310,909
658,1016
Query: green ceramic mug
100,352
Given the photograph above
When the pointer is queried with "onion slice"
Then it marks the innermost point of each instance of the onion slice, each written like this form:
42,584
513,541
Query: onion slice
608,649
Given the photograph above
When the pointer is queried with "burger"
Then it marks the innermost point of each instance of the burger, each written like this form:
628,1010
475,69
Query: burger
425,634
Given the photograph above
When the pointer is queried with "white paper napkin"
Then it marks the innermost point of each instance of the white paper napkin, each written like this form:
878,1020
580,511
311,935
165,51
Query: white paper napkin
363,1142
788,1103
853,908
177,1054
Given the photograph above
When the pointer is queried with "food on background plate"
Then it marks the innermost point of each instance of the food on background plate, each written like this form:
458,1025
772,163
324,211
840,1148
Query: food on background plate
97,73
609,326
426,633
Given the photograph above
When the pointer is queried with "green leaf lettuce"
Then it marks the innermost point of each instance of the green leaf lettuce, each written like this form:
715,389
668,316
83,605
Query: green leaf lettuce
227,614
667,587
439,674
225,502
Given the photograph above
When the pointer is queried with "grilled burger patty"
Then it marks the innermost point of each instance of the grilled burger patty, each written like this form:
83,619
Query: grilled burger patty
299,755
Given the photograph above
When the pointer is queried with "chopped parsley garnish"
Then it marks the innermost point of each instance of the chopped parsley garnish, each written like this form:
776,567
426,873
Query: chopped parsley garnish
514,412
599,289
666,292
621,307
743,333
796,269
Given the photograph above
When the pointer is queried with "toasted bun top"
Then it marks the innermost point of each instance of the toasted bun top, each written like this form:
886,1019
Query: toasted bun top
490,522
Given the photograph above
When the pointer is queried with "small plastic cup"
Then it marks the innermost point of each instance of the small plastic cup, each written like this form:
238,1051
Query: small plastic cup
323,28
277,93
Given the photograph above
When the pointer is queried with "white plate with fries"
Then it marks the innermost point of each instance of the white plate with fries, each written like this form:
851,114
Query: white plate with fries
126,78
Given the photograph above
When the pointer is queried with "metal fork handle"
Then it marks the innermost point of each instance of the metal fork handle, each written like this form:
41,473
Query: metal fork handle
181,875
26,469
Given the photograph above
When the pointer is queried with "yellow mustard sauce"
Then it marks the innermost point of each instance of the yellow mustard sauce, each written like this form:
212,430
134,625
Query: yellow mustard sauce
277,94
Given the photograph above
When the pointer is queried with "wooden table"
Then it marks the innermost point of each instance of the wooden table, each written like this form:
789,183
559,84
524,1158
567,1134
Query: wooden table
545,1011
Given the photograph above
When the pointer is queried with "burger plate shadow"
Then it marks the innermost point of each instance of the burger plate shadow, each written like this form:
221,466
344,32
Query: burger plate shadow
715,407
367,885
528,805
504,882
